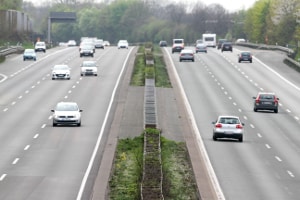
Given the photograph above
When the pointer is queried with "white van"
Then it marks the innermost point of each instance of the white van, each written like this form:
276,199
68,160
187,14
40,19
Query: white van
40,46
178,45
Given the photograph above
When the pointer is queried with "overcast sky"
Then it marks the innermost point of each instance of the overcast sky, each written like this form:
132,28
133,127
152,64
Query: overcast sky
230,5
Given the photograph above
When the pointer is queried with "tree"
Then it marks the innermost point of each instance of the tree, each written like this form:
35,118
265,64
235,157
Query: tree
11,5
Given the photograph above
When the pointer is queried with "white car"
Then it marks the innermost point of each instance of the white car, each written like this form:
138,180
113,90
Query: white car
89,67
72,43
122,44
66,113
228,127
61,72
40,46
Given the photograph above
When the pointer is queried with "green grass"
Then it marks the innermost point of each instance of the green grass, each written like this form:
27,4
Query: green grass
178,176
128,167
142,71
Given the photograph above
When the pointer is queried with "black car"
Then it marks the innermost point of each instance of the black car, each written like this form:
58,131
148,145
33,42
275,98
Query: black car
220,42
266,101
226,46
245,56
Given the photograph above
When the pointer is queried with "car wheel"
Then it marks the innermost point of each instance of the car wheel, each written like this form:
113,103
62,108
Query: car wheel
276,110
241,139
81,74
250,61
54,124
96,74
255,109
53,78
239,61
79,124
24,59
193,60
214,138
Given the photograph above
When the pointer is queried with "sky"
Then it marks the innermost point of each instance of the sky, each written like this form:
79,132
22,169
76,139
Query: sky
230,5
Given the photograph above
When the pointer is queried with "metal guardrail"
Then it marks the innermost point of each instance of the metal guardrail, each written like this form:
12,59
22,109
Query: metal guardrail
265,46
4,51
288,51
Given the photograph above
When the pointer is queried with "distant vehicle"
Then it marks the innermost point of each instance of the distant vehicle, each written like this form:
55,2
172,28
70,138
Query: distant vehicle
210,39
71,43
61,72
66,113
228,127
89,67
99,44
106,43
40,46
201,48
186,54
123,44
178,45
245,56
220,42
240,40
86,50
266,101
163,43
226,46
199,41
29,54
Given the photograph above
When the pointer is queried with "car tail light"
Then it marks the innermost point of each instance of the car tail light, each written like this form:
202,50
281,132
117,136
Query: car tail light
218,125
257,100
239,126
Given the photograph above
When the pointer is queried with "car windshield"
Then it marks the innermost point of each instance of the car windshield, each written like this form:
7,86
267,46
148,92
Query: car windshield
66,107
60,67
228,120
88,64
29,51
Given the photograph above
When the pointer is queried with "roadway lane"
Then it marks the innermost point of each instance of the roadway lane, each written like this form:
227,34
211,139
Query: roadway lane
38,161
265,165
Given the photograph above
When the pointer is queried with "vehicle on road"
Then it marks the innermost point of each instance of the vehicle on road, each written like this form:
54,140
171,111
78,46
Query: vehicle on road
226,46
186,54
245,56
29,54
178,45
266,101
61,72
163,43
210,39
99,44
89,67
71,43
220,42
201,48
123,44
227,126
40,46
66,113
86,50
199,41
106,43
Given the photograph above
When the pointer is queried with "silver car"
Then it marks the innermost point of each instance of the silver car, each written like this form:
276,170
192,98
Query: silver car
89,67
67,113
186,54
228,127
61,72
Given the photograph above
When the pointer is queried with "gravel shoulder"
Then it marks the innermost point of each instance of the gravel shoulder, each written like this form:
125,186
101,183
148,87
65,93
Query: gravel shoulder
172,119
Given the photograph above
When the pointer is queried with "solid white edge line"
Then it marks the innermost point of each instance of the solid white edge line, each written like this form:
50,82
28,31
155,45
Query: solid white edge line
201,146
88,170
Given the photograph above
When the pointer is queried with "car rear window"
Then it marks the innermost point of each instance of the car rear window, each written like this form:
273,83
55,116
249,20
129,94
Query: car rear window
266,96
229,120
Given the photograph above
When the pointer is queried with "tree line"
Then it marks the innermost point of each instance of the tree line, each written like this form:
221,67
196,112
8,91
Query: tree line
267,21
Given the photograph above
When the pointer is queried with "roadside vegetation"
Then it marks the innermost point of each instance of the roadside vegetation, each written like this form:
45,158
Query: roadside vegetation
178,177
141,69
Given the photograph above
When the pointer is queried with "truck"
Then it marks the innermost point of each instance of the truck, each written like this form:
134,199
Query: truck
209,39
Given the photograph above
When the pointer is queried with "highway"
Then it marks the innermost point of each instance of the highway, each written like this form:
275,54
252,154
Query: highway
37,160
266,164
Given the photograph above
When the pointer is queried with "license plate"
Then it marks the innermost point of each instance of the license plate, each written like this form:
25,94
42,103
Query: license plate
228,132
268,103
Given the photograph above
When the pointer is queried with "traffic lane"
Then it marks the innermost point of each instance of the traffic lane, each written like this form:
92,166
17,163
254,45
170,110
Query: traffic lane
22,77
59,145
277,135
217,105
